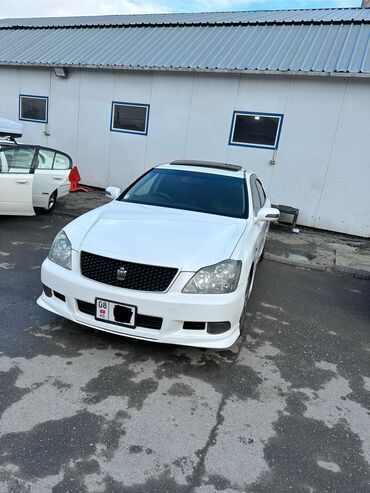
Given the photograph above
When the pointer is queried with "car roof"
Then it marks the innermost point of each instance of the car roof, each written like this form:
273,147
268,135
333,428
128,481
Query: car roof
206,167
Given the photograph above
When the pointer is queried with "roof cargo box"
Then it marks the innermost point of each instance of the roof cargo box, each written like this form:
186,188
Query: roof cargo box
8,128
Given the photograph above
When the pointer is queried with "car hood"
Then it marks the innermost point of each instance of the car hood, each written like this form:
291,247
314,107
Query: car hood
156,235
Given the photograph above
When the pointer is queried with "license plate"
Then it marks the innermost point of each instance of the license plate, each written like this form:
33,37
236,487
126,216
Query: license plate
115,313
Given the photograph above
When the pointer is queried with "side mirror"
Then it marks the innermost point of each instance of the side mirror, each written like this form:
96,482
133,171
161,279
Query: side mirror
112,192
268,214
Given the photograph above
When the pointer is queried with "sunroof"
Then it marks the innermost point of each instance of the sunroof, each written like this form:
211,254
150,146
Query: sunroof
208,164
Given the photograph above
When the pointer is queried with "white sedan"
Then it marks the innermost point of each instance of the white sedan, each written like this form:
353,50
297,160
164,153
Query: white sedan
172,259
31,176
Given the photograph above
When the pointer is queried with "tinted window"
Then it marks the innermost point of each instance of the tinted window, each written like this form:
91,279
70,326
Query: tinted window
129,118
255,130
190,190
33,108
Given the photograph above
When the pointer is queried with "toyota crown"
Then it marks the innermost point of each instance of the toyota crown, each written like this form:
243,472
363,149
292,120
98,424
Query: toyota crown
171,259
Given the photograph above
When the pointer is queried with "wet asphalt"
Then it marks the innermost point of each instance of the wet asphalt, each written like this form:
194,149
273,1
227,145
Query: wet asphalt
286,409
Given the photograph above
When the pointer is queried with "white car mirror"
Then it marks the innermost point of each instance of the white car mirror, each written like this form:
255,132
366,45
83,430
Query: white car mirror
112,192
268,214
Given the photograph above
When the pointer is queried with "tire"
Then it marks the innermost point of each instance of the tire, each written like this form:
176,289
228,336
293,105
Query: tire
243,316
51,203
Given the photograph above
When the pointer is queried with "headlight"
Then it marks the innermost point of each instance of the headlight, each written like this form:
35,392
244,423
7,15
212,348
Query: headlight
215,279
61,251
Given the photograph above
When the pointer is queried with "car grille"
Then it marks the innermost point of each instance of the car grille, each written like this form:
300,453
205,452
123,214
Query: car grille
138,276
146,321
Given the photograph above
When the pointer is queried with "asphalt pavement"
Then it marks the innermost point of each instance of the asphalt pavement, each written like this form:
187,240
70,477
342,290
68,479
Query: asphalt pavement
286,409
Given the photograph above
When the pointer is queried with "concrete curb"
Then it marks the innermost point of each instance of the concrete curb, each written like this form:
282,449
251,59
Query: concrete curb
358,273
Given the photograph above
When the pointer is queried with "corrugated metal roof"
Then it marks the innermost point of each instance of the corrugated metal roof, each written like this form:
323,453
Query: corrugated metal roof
328,47
238,17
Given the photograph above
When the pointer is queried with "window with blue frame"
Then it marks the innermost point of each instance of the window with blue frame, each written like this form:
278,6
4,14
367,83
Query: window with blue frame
33,108
129,118
252,129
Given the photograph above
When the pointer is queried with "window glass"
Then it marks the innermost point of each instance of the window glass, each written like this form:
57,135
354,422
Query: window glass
190,190
130,118
261,192
16,160
145,185
33,108
61,161
6,157
45,159
255,130
255,197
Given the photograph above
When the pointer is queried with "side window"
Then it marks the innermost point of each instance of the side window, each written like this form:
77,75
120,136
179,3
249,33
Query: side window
22,160
256,129
130,118
255,196
261,192
6,158
62,162
45,159
33,108
17,159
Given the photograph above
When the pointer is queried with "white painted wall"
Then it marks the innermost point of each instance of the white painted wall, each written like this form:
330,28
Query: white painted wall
322,164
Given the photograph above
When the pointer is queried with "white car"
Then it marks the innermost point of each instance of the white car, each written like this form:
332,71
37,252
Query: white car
31,176
172,259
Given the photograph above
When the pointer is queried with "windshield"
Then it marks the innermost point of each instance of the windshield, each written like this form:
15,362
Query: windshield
193,191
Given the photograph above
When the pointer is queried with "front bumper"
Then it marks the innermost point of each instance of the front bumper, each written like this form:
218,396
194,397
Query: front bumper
173,307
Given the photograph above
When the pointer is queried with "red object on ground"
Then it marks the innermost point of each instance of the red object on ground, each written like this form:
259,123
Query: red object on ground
74,178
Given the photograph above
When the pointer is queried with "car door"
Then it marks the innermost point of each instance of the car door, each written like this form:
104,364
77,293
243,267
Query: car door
16,180
51,174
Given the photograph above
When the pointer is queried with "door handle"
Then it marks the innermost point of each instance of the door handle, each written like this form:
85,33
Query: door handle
57,178
22,181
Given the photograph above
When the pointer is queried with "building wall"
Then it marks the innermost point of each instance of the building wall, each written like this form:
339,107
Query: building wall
322,164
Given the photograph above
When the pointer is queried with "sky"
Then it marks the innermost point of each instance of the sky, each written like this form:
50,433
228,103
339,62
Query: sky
45,8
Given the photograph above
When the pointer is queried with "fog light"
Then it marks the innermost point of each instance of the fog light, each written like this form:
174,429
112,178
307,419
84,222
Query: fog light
218,327
47,291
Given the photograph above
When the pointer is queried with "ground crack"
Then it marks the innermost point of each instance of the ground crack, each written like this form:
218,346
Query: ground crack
195,480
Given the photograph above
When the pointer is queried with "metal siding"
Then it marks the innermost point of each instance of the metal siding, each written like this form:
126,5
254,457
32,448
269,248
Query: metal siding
365,62
210,114
127,151
64,95
171,102
94,138
311,115
37,85
265,95
345,201
341,48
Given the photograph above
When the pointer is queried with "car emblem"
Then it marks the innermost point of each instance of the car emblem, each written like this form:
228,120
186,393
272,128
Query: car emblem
121,273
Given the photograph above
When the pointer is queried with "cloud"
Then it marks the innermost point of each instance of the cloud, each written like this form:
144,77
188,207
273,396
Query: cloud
44,8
